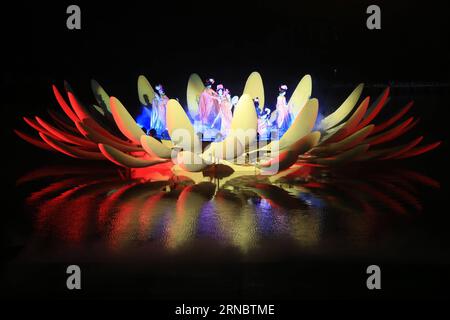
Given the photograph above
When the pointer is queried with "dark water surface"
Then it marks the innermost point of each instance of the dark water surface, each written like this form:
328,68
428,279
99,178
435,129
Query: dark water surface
153,233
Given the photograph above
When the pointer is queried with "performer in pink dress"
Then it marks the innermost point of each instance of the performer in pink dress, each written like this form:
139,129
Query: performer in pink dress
208,104
159,104
283,118
225,114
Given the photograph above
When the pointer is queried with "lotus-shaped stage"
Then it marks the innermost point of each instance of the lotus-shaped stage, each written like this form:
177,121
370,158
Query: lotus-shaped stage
107,131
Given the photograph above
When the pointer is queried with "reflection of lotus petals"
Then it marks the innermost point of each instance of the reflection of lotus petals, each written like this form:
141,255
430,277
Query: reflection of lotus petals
190,161
74,205
122,159
227,149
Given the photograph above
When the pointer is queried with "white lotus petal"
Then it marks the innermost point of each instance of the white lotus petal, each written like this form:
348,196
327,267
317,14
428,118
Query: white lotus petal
125,122
145,90
254,88
346,107
190,161
230,148
301,95
245,121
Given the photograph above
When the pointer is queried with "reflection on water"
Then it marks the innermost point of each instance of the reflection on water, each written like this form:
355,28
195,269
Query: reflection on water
307,207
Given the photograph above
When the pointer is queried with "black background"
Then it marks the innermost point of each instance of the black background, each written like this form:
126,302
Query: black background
168,40
283,40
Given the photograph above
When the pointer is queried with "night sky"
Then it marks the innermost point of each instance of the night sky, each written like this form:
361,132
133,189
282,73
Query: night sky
227,40
166,41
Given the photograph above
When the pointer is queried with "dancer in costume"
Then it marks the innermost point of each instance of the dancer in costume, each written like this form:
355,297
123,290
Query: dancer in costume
283,116
224,113
263,118
208,104
159,103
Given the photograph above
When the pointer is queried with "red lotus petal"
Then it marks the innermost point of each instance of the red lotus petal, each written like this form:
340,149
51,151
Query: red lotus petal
393,119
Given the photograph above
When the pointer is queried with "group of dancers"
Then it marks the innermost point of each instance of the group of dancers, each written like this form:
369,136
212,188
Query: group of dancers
215,112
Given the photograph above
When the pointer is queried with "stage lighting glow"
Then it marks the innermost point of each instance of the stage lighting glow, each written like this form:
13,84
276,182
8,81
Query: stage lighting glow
239,140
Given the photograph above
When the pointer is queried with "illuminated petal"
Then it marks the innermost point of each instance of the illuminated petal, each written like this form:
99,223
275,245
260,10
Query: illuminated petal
155,148
254,88
398,151
122,159
36,126
84,115
302,125
346,107
420,150
347,143
351,124
125,122
145,91
35,142
71,151
228,149
180,128
245,121
99,109
349,155
100,95
190,161
61,121
63,104
195,88
375,108
392,120
289,156
390,134
301,95
93,135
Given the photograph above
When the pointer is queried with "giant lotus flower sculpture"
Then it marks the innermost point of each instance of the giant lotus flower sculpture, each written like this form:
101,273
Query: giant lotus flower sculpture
107,131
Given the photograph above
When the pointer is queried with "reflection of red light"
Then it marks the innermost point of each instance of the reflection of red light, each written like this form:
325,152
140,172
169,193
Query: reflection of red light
415,176
147,213
106,207
313,185
383,198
